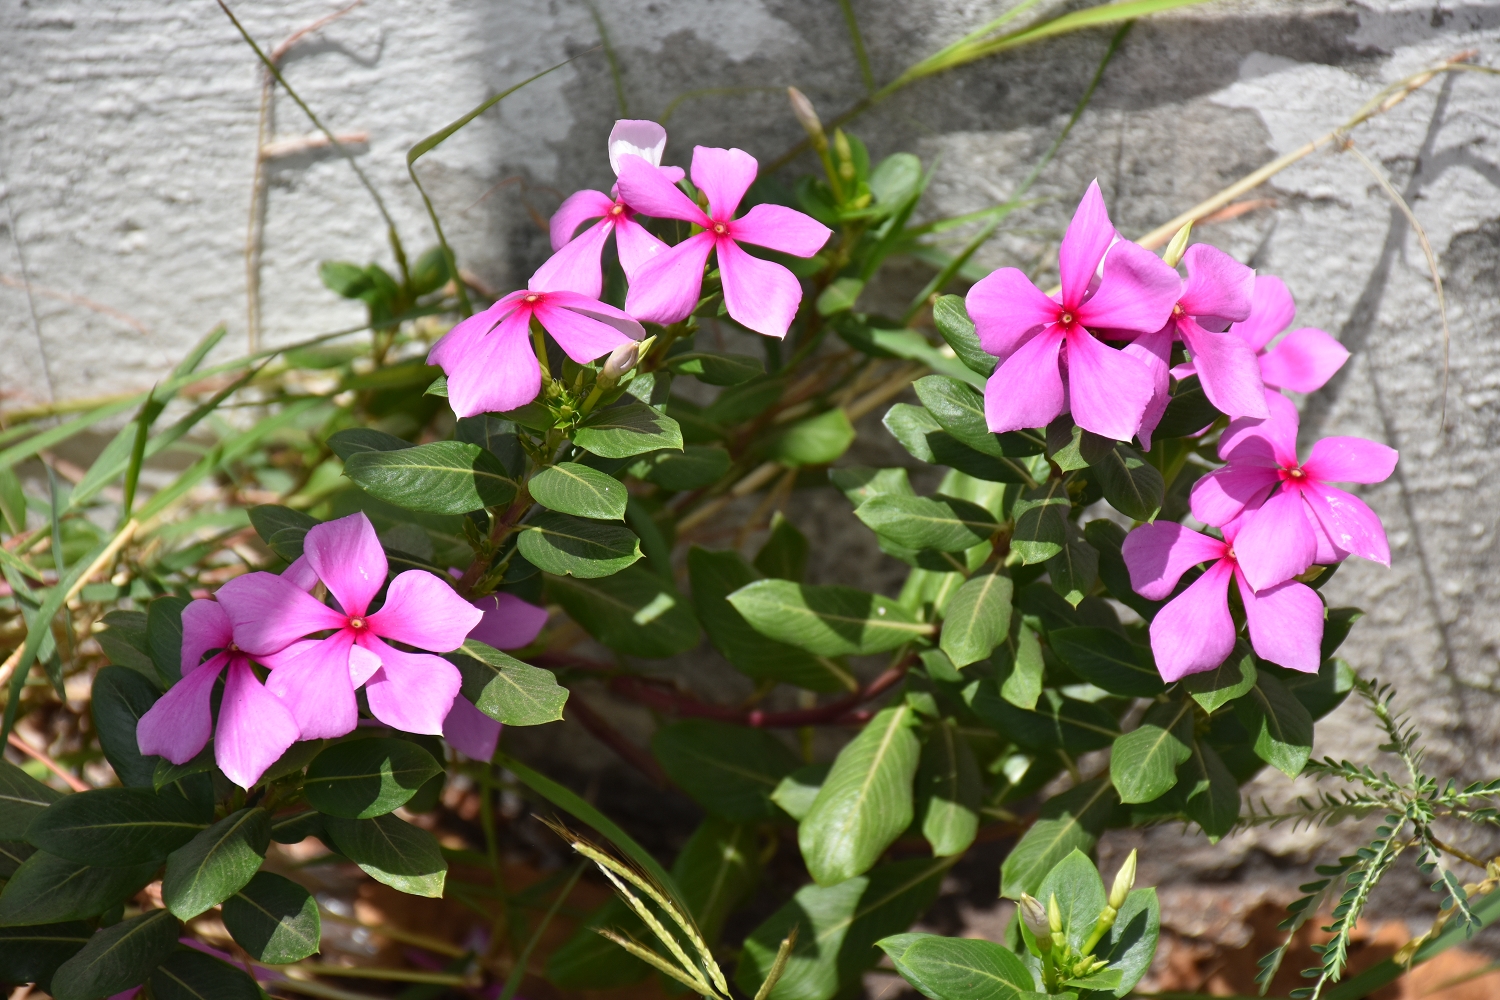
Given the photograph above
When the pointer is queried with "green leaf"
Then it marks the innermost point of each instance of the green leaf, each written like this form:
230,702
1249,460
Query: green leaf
814,441
940,523
1068,822
1231,679
362,779
294,828
164,635
633,612
282,528
1188,412
217,863
117,957
507,690
784,555
352,441
1283,729
840,296
730,771
47,889
1106,658
167,773
496,436
343,278
1130,483
866,800
741,402
1322,692
589,961
1143,762
397,854
1075,883
859,483
1057,722
695,467
959,410
626,431
717,868
953,323
948,789
12,853
965,969
1130,945
274,919
570,488
1075,569
1021,669
1041,517
714,576
837,927
826,621
1070,447
1107,537
799,790
569,546
116,826
911,426
445,477
124,642
717,369
22,799
1212,798
188,974
977,618
32,954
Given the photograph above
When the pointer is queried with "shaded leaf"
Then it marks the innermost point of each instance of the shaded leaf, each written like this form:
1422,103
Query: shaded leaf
217,863
361,779
694,467
717,369
274,919
117,957
729,770
1107,659
188,974
569,546
32,954
1211,795
948,789
22,799
1231,679
1041,517
1068,822
633,612
392,852
1130,483
1282,728
118,826
47,889
784,554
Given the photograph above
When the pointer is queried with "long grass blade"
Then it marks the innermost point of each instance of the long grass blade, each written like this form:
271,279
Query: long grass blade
858,41
513,981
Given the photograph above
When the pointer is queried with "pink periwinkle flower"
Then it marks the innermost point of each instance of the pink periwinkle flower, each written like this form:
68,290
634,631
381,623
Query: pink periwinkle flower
576,259
508,623
1291,517
1038,338
488,357
758,294
1195,632
316,678
255,728
1302,361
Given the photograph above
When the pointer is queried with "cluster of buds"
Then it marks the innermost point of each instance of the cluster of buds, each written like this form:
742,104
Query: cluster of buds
1061,962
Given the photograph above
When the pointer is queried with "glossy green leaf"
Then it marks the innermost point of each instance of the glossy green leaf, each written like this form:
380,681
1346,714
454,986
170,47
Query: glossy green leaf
944,524
911,426
444,477
47,889
564,545
826,621
32,954
959,410
1075,883
397,854
839,296
217,863
22,799
627,431
117,957
164,635
365,778
1231,679
784,554
352,441
799,790
859,483
729,770
1075,569
1057,722
717,868
964,969
1070,447
1282,727
1322,692
1041,517
1130,945
866,800
1143,762
570,488
506,689
1107,659
815,441
1107,537
1068,822
1188,411
717,369
281,528
1211,795
953,323
496,436
948,789
977,618
116,826
695,467
274,919
188,974
1132,485
1021,669
633,612
167,773
294,828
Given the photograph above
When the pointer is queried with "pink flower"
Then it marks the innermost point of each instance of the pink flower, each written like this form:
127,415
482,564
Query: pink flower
1294,517
255,728
1107,390
1302,361
576,260
1194,632
758,294
508,623
316,678
488,357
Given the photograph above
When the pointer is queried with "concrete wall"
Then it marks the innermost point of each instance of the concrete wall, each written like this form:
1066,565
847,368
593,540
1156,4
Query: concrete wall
128,141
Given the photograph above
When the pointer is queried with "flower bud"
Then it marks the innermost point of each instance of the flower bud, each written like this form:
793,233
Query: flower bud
1124,881
807,116
1178,246
1054,914
1035,915
621,360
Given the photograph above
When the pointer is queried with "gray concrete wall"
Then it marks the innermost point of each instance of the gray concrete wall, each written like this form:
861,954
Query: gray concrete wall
128,140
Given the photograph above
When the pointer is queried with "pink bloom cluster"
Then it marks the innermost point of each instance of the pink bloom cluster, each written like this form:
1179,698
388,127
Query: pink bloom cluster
489,358
318,655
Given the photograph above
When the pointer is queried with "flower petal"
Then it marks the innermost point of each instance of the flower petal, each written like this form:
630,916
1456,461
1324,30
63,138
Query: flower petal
1271,311
421,610
347,557
646,190
578,208
1137,292
666,288
500,373
635,246
507,622
1027,389
177,727
1351,525
1107,390
575,268
636,137
470,731
724,175
1006,307
411,691
314,685
1217,285
460,344
362,663
205,626
1083,245
1350,460
1227,369
780,228
269,613
581,337
1157,555
1276,540
1270,442
255,728
759,294
1222,495
1285,624
1194,632
300,574
1303,361
1154,350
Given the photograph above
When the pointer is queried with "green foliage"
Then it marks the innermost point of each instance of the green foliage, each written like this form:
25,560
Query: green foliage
826,621
445,477
274,919
362,779
729,770
117,957
570,488
191,975
217,863
388,850
116,826
507,689
571,546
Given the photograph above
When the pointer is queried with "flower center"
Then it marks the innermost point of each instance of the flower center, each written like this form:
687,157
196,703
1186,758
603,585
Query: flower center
1066,319
356,623
617,210
1177,309
1229,553
1296,473
233,648
720,229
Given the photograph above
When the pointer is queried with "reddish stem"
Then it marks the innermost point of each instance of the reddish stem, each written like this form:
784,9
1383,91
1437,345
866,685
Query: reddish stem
611,737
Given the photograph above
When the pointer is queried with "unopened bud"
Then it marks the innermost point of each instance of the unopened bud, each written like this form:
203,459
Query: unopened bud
807,117
1124,882
621,360
1054,914
846,154
1178,246
1035,915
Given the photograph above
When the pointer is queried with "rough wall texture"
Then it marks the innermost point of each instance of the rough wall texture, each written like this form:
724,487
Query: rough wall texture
128,137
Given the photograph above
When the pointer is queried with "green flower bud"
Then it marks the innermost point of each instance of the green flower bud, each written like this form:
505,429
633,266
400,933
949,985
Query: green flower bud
1035,915
1124,881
